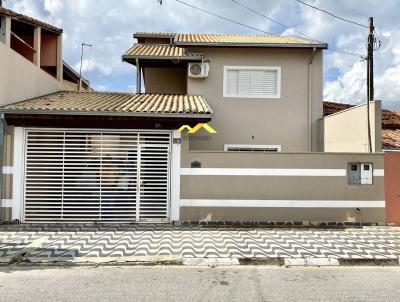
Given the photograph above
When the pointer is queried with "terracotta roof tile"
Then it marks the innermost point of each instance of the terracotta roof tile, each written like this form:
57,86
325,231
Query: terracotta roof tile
332,107
159,50
185,39
112,102
390,138
152,34
390,119
232,39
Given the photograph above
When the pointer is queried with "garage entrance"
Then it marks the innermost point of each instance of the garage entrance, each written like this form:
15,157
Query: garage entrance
96,176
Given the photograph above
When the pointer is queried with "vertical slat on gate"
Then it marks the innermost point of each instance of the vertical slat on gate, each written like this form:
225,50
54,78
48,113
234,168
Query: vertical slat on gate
63,175
89,175
101,176
138,181
154,176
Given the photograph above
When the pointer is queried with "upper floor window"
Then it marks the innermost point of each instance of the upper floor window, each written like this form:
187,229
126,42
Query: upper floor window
252,81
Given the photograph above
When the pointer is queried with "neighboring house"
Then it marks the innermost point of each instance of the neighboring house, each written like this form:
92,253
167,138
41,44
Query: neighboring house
71,79
390,124
119,157
31,59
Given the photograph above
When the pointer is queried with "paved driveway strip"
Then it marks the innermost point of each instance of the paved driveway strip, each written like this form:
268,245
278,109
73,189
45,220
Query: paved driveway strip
123,240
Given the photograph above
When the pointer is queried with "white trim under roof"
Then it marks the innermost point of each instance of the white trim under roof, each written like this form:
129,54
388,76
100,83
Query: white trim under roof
271,172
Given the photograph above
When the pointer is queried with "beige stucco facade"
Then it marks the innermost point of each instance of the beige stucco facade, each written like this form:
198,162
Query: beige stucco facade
20,79
347,131
165,80
282,121
30,58
7,176
303,215
295,186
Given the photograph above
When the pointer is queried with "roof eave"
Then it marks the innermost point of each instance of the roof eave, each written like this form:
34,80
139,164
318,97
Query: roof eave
185,58
265,45
29,20
166,36
107,113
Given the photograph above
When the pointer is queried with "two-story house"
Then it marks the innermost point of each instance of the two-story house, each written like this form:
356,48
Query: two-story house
112,157
265,91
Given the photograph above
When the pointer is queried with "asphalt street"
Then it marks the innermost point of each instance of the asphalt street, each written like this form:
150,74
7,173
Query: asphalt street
177,283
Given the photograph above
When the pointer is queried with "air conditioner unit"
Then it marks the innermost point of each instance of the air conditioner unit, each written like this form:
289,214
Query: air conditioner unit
198,70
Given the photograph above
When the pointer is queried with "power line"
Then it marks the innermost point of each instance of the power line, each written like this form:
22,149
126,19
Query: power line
270,19
224,18
363,57
254,28
331,14
286,26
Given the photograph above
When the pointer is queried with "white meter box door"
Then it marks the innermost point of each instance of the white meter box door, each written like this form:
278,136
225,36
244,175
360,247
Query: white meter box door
360,173
366,174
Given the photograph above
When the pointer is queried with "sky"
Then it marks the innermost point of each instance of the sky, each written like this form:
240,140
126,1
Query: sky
109,26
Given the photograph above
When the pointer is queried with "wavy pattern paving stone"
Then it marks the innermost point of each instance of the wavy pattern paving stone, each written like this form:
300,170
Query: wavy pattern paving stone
116,240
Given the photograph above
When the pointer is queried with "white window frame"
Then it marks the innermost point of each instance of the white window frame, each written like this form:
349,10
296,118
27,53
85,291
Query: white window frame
274,68
227,146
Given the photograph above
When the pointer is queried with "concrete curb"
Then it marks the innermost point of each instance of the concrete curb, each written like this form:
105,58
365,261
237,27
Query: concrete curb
311,262
262,261
22,260
78,261
370,262
210,261
289,262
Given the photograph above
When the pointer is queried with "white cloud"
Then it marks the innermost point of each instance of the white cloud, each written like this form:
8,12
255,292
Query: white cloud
94,65
353,75
100,87
109,27
387,85
53,6
349,87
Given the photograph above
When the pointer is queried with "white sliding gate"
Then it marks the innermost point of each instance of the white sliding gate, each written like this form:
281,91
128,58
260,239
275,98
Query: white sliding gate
84,175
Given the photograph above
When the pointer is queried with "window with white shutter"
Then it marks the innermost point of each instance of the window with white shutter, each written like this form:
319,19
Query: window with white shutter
252,81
